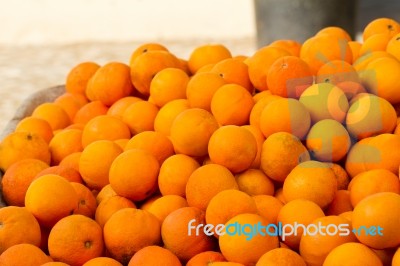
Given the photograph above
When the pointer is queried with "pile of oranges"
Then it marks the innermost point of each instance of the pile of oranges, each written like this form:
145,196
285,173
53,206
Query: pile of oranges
117,169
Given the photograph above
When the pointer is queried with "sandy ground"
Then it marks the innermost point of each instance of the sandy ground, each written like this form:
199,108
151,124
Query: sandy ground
25,70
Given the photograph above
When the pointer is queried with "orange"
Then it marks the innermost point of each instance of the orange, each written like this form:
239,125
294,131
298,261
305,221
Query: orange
64,143
95,162
325,101
396,258
393,46
259,137
292,46
121,143
379,77
355,47
372,211
133,174
279,195
285,115
281,152
268,207
102,261
140,116
71,103
89,111
374,153
142,230
349,254
201,88
205,258
370,115
179,234
341,176
154,255
167,114
328,140
69,173
50,198
17,146
147,65
105,193
289,76
351,88
104,127
260,62
377,42
71,161
164,205
157,144
118,108
381,25
207,181
249,246
233,147
259,95
207,54
53,114
235,202
35,126
174,174
79,76
234,71
191,131
17,178
281,256
255,182
206,68
109,206
231,105
341,203
311,180
315,247
336,32
167,85
55,263
321,49
259,106
86,200
371,182
337,71
12,256
144,48
298,211
361,63
148,202
18,226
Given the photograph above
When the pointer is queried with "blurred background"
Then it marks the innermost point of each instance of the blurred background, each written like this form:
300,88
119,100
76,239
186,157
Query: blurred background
41,40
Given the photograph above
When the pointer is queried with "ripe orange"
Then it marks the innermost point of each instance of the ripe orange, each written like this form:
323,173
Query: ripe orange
338,32
95,162
18,226
89,111
17,178
377,42
205,258
233,147
86,200
75,239
64,143
54,114
393,46
154,255
259,106
281,152
372,211
156,143
164,205
36,126
292,46
133,174
167,85
79,76
255,182
192,130
352,254
144,48
140,116
311,180
67,172
355,47
289,76
341,203
285,115
247,247
234,71
268,207
102,261
337,71
342,176
381,25
167,114
50,198
12,256
180,239
205,182
118,108
207,54
22,145
71,103
259,137
110,205
281,256
142,230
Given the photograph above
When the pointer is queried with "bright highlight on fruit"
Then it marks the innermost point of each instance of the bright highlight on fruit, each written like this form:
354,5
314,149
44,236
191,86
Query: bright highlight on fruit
146,162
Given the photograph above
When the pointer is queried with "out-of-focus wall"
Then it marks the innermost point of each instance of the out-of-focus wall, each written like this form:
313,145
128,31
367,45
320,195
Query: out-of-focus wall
26,22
